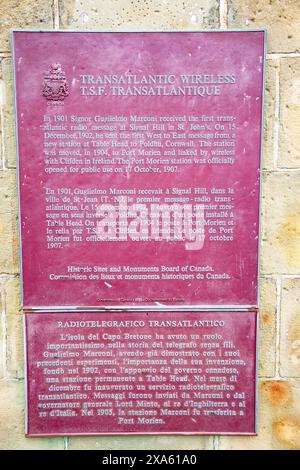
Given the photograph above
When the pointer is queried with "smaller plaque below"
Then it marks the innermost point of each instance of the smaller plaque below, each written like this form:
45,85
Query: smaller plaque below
139,168
141,373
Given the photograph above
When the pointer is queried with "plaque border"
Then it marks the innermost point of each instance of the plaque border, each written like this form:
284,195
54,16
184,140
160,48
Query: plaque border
254,311
128,307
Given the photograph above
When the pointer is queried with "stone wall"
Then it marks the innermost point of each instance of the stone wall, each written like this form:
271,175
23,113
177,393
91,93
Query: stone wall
279,356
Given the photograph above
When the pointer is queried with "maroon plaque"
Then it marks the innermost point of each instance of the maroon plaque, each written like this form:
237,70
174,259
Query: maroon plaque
141,373
139,162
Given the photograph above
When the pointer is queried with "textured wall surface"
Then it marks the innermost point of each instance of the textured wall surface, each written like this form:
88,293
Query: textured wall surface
279,361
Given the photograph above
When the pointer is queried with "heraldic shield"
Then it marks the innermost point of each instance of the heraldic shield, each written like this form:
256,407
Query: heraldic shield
55,86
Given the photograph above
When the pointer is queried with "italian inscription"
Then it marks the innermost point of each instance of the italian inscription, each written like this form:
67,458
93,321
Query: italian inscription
141,372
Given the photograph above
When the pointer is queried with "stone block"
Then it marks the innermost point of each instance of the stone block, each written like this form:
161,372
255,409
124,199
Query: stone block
281,223
290,328
281,19
25,14
145,15
14,329
269,114
12,435
141,443
8,114
267,327
289,137
278,417
9,243
2,333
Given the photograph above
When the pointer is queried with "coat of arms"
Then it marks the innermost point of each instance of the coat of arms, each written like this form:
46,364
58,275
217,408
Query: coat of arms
55,86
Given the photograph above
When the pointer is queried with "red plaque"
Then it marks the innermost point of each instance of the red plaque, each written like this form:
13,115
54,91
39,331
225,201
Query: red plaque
141,373
139,161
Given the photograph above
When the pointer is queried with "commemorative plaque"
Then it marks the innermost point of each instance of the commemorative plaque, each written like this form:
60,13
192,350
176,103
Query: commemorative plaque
139,168
141,372
139,185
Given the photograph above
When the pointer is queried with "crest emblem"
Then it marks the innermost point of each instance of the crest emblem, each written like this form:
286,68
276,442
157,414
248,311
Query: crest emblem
55,86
